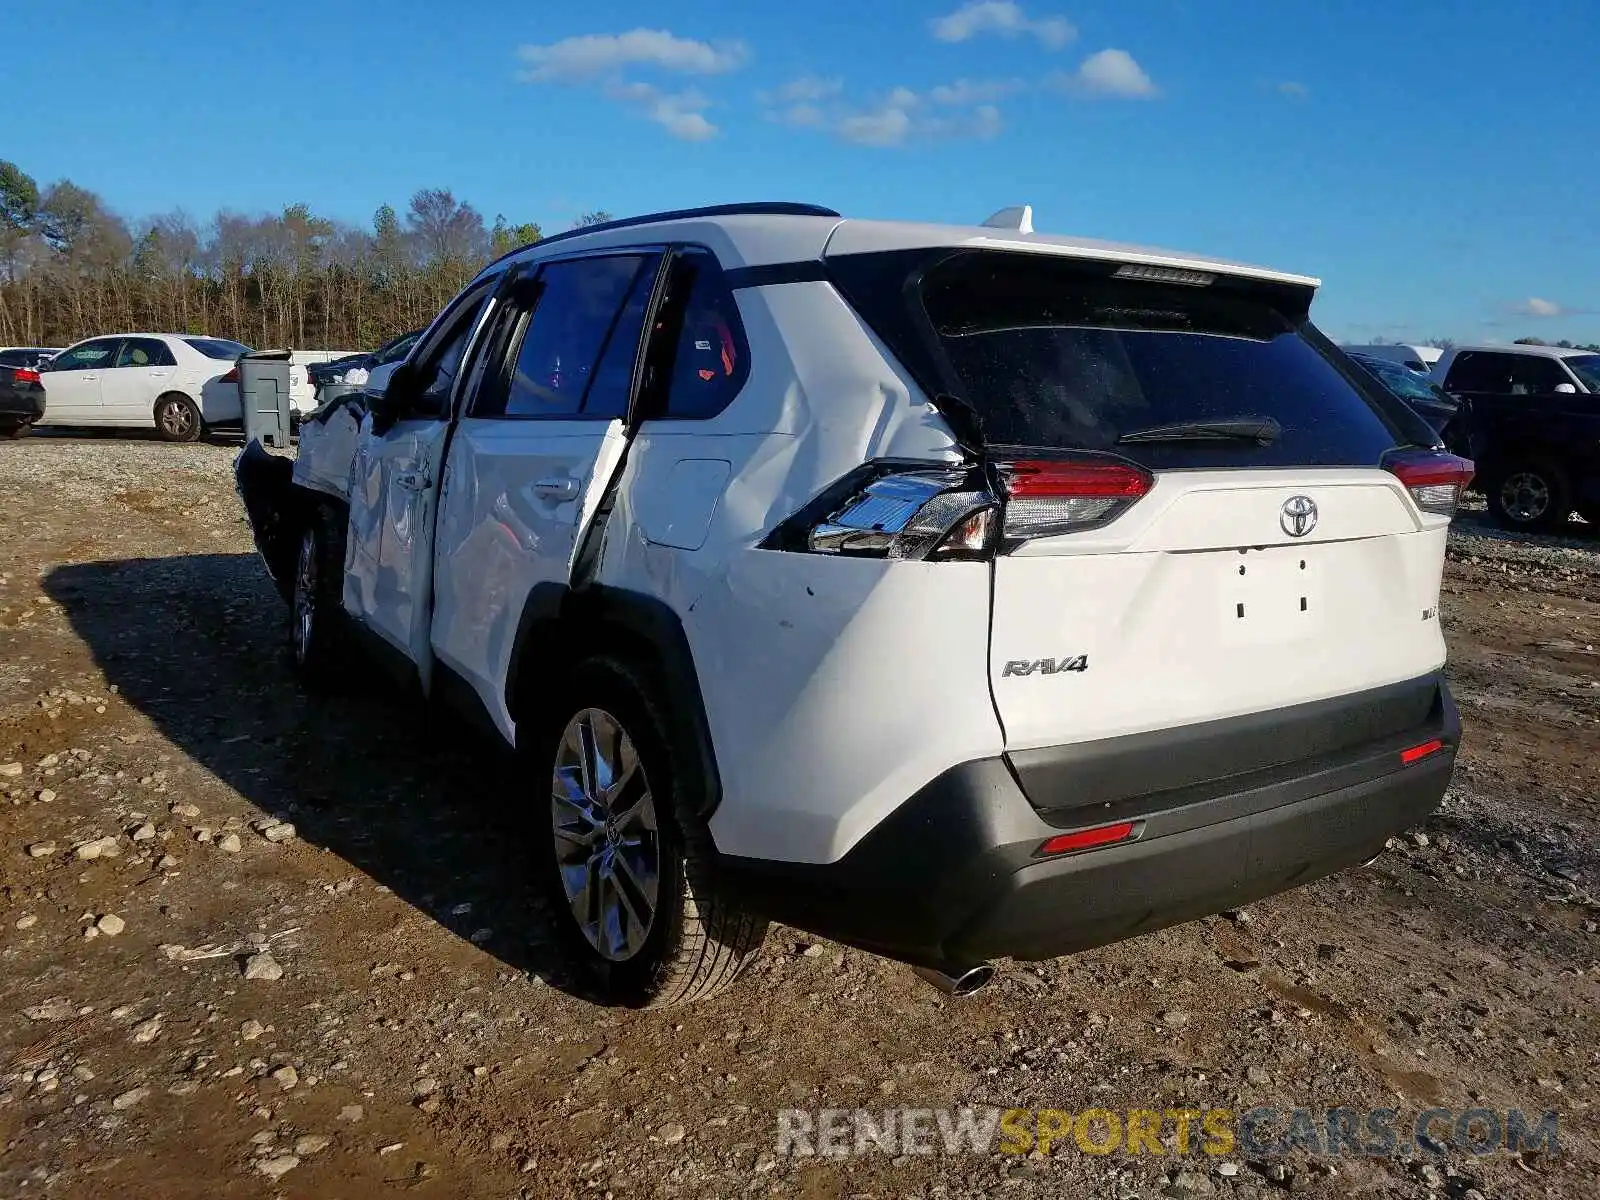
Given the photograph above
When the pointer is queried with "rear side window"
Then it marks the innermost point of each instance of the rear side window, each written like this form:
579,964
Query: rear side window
218,348
557,346
145,352
1051,354
699,358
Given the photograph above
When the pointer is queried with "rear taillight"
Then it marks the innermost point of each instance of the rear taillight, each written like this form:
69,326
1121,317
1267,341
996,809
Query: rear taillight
1051,496
23,375
1434,479
231,377
1088,839
893,510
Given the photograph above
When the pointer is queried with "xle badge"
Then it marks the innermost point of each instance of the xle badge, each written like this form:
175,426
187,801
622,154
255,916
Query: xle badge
1045,666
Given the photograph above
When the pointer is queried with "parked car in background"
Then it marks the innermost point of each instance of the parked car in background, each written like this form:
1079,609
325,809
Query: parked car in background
26,356
1418,358
168,382
1426,398
21,395
949,596
1530,418
392,351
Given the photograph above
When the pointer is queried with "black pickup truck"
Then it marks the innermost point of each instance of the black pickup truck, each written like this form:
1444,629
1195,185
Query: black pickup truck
1531,422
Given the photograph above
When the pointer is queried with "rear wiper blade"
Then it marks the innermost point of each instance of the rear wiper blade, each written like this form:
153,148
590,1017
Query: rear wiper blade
1261,430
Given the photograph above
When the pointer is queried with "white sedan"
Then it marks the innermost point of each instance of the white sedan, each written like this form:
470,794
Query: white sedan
176,384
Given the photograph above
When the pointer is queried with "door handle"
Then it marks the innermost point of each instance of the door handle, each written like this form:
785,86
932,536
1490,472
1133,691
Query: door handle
412,481
557,489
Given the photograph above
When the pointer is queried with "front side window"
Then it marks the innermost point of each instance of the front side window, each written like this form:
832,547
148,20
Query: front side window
441,364
1535,375
145,352
90,356
1587,368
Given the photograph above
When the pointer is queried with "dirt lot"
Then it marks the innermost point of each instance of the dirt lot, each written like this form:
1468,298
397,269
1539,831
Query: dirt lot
422,1040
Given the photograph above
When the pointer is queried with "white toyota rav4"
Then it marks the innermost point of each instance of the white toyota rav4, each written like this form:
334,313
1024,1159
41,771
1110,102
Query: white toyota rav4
952,592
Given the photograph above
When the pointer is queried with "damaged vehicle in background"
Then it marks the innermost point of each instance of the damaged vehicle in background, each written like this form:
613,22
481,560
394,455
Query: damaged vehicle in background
952,592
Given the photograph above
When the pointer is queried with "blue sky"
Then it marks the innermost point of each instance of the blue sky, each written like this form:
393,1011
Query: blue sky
1434,162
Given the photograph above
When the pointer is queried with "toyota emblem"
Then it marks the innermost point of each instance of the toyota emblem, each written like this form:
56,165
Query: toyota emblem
1299,516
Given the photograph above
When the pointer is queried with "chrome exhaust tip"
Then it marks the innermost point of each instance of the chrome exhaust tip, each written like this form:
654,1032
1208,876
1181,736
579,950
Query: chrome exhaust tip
959,983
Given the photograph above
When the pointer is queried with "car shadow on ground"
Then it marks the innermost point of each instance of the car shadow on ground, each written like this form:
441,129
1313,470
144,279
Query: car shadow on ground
400,791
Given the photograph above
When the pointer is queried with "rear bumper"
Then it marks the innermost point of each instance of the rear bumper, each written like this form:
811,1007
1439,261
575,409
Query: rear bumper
20,406
954,877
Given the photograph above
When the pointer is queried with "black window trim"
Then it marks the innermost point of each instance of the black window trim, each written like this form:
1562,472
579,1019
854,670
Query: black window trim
499,338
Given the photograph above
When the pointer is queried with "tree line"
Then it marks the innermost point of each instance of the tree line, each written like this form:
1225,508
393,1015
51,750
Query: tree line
71,268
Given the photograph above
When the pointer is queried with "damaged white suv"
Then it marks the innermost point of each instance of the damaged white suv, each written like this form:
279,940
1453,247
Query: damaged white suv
953,592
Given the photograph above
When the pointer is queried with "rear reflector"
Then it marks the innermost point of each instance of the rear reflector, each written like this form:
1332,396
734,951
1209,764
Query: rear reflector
1434,479
1047,496
23,375
1086,839
1417,753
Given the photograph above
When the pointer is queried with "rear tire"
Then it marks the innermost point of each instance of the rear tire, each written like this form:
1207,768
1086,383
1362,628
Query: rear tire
318,637
16,431
625,857
1529,496
177,418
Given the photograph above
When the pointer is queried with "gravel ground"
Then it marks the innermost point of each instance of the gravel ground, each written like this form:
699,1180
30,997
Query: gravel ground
254,944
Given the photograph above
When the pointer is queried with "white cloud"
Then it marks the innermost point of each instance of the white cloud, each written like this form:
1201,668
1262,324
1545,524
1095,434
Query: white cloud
593,55
1110,73
964,92
807,89
904,116
1001,17
682,114
1533,306
887,126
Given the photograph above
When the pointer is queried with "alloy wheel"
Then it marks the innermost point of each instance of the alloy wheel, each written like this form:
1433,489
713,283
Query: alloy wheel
1525,496
176,419
607,840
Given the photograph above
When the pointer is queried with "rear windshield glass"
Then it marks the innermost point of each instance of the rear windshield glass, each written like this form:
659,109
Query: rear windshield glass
1058,354
218,347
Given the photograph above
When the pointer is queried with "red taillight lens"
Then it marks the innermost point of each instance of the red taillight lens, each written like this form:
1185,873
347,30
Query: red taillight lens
1434,479
1416,753
231,377
23,375
1087,839
1047,496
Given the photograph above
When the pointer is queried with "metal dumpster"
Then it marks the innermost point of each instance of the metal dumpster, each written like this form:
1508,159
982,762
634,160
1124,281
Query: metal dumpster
264,397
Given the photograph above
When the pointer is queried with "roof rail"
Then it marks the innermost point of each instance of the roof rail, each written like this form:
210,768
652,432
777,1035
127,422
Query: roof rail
755,208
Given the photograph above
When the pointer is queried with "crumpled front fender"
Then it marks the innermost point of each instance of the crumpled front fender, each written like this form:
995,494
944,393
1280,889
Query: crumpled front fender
276,508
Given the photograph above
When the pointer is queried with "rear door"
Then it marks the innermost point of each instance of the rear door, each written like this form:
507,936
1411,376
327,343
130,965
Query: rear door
1200,522
535,452
72,384
143,369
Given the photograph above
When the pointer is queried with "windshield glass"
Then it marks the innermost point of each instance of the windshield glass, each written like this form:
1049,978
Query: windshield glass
1587,368
1053,354
219,348
1402,381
